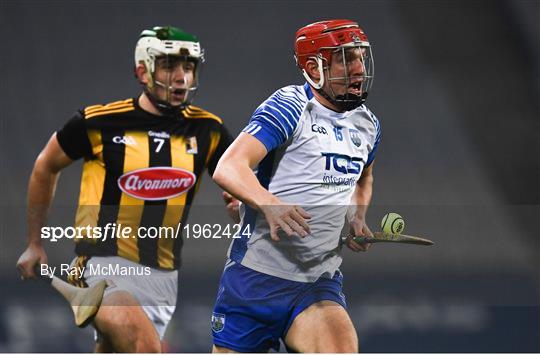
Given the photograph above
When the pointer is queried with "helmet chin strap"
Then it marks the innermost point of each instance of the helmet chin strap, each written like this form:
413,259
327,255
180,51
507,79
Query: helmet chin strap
346,102
350,101
163,106
320,68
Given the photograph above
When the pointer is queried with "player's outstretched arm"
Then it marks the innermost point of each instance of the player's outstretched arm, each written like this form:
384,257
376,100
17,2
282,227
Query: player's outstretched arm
234,173
41,190
360,201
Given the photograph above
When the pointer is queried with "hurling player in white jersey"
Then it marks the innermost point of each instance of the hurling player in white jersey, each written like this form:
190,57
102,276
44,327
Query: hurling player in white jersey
301,166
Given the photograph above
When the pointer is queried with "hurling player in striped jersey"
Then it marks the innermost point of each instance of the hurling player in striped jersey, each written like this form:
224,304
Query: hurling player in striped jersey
144,158
302,164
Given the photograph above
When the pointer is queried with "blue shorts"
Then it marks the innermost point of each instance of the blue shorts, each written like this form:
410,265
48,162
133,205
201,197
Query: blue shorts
254,310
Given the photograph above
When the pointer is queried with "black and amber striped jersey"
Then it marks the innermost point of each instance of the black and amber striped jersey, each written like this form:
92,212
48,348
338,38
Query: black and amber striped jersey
140,170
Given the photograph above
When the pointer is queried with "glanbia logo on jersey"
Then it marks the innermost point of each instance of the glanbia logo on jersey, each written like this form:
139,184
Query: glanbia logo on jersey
158,183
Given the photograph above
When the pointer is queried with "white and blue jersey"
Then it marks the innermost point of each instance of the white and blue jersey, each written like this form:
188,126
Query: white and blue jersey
315,157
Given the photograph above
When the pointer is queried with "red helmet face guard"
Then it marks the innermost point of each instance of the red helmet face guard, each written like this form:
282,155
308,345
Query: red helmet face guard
344,59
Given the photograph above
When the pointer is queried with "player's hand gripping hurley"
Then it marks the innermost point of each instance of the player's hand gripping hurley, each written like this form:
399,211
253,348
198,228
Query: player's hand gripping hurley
392,225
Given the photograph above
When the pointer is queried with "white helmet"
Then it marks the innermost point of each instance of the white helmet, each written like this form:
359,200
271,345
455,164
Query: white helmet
163,42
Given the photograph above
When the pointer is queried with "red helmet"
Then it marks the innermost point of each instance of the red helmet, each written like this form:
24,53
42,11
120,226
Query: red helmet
326,35
318,41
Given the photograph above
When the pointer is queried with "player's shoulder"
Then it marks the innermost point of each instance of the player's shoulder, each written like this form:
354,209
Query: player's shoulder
288,102
111,109
290,94
370,115
193,112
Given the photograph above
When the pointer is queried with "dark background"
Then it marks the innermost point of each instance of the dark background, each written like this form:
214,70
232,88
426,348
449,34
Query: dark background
456,89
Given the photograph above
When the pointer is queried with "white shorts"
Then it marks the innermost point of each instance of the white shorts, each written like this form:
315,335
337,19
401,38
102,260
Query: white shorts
155,290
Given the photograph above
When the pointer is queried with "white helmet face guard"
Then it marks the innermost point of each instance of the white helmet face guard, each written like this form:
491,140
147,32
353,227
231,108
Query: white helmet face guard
150,49
169,64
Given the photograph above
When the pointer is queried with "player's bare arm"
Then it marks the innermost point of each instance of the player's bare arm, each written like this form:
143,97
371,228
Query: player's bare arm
361,200
41,188
234,174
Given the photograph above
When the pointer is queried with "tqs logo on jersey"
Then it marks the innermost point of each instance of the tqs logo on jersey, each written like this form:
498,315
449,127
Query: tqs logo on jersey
318,129
159,183
355,137
127,140
343,163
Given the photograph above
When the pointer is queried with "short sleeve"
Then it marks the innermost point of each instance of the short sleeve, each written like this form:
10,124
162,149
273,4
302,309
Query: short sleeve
371,155
73,138
275,119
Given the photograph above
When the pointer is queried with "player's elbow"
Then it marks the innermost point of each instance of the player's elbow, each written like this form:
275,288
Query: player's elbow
367,179
42,166
365,182
220,176
231,171
51,159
